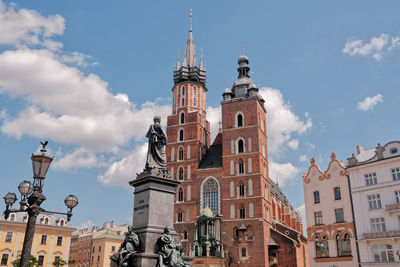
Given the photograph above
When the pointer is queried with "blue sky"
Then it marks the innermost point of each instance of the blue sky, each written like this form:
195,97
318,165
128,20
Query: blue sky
89,75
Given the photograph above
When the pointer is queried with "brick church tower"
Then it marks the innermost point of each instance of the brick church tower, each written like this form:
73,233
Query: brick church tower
226,205
246,184
188,134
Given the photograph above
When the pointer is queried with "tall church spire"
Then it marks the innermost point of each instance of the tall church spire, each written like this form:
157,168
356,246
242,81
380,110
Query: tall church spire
190,51
189,71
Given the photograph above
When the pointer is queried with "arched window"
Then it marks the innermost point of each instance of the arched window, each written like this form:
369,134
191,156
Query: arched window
321,247
46,221
180,174
241,166
180,153
12,217
182,118
194,96
181,134
185,235
236,233
240,146
61,222
343,246
180,195
242,212
241,189
239,120
183,96
210,195
180,216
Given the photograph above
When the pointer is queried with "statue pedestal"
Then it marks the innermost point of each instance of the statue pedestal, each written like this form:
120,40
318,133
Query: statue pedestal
153,211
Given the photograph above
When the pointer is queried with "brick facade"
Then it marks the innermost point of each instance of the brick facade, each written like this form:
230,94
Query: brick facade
231,174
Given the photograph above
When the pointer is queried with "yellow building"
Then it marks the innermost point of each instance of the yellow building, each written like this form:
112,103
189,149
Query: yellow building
105,243
51,240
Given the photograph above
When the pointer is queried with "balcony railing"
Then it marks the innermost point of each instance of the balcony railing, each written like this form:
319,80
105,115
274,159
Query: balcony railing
382,234
393,207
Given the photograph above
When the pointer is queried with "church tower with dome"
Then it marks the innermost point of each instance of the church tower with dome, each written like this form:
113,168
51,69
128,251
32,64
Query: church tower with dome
226,205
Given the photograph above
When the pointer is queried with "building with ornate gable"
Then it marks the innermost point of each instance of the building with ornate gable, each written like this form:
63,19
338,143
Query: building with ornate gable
228,175
330,226
375,189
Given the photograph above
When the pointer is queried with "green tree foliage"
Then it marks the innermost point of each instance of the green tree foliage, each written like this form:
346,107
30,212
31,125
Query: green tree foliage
33,262
59,262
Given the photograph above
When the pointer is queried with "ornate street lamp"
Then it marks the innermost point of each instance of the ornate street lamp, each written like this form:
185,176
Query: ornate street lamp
32,198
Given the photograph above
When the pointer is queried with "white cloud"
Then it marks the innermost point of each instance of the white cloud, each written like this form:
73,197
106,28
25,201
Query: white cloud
87,224
214,117
293,144
69,107
282,122
76,58
124,170
369,102
282,172
27,27
303,158
80,158
375,48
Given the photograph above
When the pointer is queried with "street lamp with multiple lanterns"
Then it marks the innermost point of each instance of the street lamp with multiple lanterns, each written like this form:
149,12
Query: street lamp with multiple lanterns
32,198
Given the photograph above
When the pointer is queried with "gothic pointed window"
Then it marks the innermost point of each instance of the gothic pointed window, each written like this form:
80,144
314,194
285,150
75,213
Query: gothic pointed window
321,247
343,246
180,153
211,195
185,235
241,189
181,135
183,97
180,195
242,212
239,120
240,146
241,166
180,216
180,174
182,118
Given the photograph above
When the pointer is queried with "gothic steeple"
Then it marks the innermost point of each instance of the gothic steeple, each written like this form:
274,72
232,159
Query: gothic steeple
189,71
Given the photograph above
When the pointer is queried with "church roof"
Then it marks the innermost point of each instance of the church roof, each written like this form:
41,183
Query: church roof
276,191
213,157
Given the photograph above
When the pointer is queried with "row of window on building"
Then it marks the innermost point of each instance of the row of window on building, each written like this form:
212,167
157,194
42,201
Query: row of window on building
5,257
371,178
43,239
184,96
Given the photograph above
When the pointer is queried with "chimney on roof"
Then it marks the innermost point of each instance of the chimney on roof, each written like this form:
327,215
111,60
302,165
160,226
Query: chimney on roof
359,149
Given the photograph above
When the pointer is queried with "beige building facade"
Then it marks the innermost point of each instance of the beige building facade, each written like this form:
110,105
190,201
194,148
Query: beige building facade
93,246
51,240
329,216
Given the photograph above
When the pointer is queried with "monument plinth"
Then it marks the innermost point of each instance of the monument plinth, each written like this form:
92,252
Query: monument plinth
153,211
153,207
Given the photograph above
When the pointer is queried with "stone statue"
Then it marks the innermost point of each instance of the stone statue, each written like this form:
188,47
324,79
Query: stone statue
379,151
127,249
156,157
170,253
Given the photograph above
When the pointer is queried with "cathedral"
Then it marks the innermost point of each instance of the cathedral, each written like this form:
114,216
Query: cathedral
226,206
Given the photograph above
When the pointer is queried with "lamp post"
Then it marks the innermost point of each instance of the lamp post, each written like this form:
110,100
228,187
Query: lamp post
31,199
